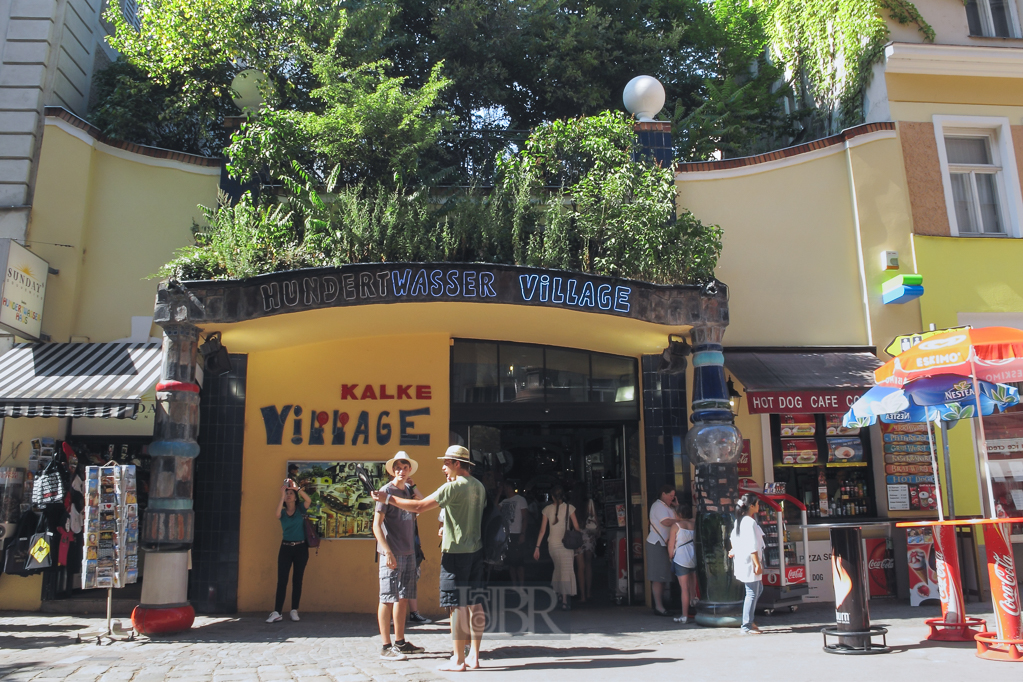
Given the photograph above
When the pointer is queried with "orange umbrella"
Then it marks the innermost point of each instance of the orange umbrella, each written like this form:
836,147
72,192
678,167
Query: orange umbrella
992,354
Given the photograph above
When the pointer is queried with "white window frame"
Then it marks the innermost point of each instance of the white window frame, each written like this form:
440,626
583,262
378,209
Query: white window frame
999,133
988,24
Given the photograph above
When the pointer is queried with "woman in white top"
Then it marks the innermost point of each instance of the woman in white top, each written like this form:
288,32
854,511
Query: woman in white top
557,516
682,549
747,554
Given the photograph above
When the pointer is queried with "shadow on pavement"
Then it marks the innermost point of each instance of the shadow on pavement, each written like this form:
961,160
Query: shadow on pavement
549,652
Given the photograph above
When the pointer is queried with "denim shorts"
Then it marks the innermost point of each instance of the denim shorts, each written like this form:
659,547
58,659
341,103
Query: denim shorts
681,570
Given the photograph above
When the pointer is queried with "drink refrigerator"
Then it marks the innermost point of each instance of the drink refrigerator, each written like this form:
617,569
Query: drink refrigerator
783,520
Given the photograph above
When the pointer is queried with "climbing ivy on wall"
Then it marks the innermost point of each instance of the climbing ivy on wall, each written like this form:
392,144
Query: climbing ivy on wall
830,48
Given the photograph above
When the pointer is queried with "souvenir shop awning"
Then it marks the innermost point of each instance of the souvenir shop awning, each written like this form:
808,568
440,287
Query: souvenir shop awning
802,380
77,379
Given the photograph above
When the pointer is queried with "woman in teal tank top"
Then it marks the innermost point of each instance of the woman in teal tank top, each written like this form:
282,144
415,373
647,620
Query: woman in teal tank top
294,550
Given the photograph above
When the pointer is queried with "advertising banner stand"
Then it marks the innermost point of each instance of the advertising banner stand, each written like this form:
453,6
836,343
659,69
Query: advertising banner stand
1006,643
853,631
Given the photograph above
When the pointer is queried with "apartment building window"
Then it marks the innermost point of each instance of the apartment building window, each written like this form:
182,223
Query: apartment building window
992,18
130,11
978,168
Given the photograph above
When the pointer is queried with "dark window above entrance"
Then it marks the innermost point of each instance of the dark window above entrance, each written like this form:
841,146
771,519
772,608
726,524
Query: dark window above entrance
487,373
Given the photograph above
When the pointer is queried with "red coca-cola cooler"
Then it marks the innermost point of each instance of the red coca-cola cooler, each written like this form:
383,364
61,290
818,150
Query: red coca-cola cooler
783,520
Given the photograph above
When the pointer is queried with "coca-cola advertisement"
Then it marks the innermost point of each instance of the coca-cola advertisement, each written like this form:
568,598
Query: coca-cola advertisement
1004,588
923,574
880,567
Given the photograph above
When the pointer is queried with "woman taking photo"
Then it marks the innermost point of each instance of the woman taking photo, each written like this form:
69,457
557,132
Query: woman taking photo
681,549
747,554
557,516
294,550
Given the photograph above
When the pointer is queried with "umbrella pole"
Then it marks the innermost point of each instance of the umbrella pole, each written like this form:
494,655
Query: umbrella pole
983,442
948,471
934,468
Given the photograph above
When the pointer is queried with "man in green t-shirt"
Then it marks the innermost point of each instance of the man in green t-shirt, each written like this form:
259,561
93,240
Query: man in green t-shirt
461,566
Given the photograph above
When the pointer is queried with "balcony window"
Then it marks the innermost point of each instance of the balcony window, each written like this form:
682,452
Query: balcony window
992,18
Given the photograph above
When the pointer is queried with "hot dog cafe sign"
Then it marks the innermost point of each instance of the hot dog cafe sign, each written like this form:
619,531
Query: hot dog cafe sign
802,402
357,418
24,289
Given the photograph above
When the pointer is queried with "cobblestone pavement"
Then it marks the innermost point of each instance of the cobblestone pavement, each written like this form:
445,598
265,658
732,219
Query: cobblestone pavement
606,644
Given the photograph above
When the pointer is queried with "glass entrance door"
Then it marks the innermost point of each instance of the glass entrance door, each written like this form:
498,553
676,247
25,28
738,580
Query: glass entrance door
598,464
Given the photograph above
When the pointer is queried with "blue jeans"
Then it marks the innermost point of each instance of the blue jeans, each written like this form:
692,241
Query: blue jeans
749,605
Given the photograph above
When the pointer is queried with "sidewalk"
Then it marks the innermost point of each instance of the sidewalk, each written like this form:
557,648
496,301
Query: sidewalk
606,644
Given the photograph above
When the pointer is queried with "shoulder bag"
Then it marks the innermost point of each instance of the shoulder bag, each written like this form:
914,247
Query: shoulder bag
573,538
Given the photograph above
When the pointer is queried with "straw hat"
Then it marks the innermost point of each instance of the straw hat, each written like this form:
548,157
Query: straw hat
457,453
401,454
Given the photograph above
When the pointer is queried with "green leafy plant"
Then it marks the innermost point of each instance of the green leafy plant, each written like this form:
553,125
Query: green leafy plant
575,197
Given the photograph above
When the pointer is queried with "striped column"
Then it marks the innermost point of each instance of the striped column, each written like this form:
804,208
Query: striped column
167,526
714,444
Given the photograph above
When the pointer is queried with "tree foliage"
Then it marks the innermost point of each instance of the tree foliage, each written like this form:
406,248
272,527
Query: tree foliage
831,46
573,198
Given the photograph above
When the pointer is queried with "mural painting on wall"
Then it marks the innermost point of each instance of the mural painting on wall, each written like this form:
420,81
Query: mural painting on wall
341,508
352,426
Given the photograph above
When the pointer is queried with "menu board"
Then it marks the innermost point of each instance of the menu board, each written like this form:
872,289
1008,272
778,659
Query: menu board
833,426
110,557
907,466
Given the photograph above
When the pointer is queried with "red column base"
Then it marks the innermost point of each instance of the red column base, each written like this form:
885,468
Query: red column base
994,649
154,620
965,631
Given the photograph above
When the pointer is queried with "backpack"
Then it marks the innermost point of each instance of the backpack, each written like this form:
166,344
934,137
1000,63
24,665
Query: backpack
495,535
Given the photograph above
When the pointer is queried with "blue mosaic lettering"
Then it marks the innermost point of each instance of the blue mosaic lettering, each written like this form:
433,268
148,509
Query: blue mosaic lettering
604,297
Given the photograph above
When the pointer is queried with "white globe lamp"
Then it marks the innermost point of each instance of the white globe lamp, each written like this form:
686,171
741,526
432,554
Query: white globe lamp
644,97
247,94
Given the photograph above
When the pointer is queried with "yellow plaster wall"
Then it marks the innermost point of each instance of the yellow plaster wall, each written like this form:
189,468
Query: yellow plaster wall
973,275
788,253
123,215
789,245
343,575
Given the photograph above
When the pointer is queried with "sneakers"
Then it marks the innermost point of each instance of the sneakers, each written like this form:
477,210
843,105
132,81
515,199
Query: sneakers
415,618
294,615
408,647
682,619
274,617
391,653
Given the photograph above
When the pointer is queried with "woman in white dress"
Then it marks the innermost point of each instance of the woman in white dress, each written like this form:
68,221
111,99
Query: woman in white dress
557,516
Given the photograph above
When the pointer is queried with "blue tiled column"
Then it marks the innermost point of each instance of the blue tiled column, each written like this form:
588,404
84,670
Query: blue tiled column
714,444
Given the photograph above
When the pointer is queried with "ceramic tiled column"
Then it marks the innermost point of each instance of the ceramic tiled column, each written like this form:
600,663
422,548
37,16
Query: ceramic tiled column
714,444
167,526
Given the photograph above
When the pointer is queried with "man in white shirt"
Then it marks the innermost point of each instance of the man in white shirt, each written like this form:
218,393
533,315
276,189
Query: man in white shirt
515,511
658,564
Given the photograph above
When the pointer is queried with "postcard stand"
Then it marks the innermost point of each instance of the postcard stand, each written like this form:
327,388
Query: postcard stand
111,536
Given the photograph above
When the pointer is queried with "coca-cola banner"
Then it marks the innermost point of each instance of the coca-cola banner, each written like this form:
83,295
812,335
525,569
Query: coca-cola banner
1004,589
880,567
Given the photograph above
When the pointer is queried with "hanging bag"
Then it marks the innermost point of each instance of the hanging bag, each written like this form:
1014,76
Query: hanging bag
311,537
16,554
573,539
49,485
40,550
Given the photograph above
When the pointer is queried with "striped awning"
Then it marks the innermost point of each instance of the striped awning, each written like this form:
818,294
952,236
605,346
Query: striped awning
77,379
